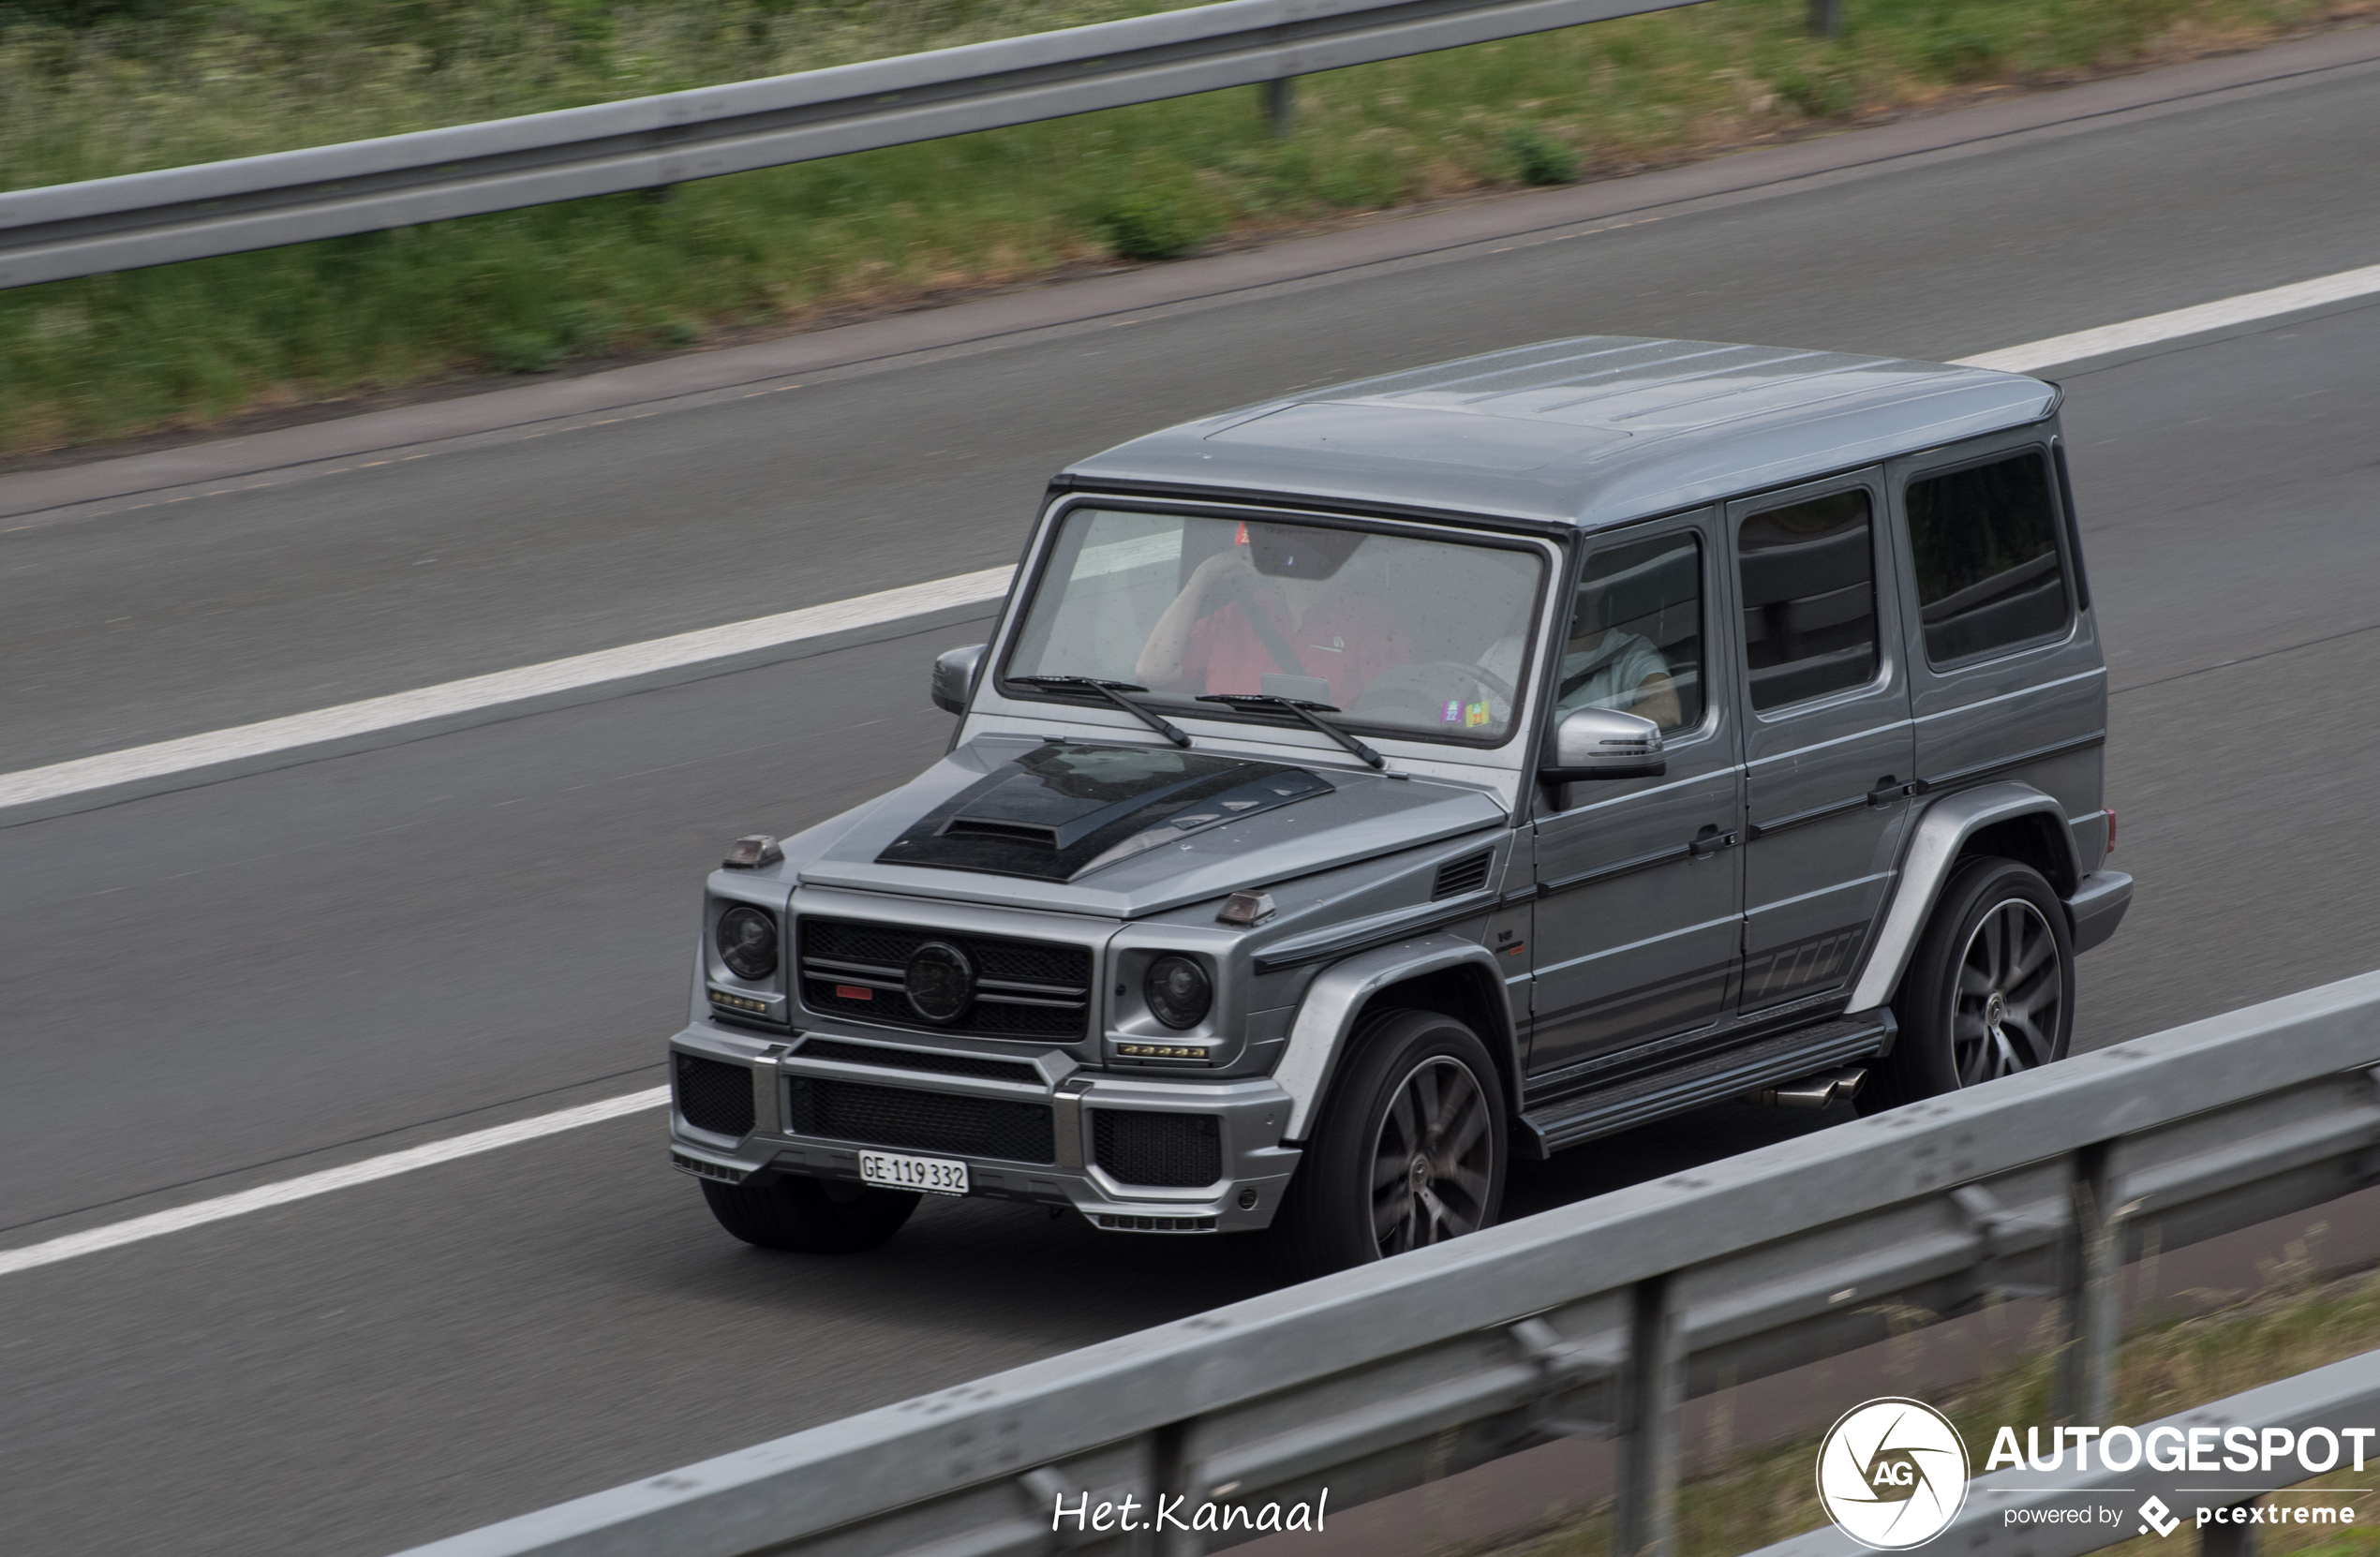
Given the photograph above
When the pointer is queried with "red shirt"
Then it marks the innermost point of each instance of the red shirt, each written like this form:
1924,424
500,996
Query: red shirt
1346,643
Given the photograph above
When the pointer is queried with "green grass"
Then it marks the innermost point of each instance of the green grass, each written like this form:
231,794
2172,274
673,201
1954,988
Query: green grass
1767,1494
96,87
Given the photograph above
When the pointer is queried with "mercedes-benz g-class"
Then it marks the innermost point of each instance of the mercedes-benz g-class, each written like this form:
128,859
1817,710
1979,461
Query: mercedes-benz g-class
1366,787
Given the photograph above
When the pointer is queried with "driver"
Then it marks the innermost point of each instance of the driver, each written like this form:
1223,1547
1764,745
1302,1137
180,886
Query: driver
1289,609
1605,668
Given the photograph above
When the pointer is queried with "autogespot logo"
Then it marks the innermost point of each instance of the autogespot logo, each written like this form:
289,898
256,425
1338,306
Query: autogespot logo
1892,1473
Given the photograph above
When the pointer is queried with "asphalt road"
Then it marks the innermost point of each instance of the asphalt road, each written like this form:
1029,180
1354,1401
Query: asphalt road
247,979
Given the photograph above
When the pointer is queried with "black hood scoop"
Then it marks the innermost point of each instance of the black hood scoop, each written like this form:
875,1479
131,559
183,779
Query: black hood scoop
1065,809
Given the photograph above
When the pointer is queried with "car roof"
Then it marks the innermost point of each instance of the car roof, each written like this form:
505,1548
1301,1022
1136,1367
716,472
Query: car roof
1584,432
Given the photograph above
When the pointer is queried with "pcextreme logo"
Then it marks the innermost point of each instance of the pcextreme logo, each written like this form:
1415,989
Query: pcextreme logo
1892,1473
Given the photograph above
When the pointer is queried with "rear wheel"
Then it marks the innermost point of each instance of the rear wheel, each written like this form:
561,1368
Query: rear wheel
810,1216
1410,1152
1989,991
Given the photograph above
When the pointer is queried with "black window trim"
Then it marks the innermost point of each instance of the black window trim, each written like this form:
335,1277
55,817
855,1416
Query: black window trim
1065,502
2081,590
2068,555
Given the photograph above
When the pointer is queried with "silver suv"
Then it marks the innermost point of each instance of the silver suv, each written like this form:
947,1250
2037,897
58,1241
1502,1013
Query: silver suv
1366,787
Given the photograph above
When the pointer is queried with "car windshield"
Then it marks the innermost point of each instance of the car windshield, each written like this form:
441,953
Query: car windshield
1408,635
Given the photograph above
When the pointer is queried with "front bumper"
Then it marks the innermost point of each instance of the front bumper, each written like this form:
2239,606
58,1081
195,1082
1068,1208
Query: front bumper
1250,1112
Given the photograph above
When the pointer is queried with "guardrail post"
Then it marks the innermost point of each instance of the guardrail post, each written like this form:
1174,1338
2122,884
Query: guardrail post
1652,1387
1825,18
2085,1391
1171,1474
1281,105
2229,1540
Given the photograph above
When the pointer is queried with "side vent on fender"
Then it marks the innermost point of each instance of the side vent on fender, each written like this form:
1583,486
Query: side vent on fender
1457,877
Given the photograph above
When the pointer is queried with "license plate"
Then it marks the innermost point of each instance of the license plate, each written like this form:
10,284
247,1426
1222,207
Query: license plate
934,1175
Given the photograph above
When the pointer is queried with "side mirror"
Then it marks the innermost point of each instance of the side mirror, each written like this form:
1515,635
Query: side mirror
1603,743
955,678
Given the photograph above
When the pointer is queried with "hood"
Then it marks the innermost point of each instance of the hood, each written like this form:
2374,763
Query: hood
1124,830
1063,810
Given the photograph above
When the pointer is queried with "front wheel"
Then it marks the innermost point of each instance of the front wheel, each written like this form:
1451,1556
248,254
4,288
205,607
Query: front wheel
1410,1152
810,1216
1989,991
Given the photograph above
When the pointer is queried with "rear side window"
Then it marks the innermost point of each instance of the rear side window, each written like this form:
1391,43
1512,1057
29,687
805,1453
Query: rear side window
1809,599
1983,542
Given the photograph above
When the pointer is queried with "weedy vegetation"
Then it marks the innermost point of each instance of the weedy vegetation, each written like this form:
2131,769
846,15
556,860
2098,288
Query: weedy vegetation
91,88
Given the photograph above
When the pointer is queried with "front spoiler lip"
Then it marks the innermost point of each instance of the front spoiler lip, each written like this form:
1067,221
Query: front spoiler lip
1254,1111
1216,1206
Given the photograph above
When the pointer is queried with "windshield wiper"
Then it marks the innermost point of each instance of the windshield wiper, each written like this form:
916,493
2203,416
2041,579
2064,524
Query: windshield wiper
1304,709
1114,691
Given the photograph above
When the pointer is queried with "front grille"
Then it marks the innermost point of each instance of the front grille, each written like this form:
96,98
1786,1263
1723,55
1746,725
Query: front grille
715,1096
1024,988
912,1059
922,1122
1166,1151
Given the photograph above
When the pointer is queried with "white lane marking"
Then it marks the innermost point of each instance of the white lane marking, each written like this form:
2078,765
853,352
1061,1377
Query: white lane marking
735,638
2244,309
115,1235
500,687
687,649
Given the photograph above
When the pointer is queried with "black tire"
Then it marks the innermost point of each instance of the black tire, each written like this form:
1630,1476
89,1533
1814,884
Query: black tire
1417,1086
1989,990
810,1216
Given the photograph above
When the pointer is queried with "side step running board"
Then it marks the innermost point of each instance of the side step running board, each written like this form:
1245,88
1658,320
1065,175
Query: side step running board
1770,1063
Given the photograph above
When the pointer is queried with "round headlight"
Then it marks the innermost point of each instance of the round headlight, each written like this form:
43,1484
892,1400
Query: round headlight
1179,991
748,943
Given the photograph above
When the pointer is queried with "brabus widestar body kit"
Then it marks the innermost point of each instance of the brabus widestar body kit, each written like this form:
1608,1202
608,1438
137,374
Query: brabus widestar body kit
1362,788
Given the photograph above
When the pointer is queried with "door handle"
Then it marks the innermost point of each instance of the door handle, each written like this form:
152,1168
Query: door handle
1888,789
1710,840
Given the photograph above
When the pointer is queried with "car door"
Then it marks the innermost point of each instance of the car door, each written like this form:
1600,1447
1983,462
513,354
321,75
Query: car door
1828,748
1638,912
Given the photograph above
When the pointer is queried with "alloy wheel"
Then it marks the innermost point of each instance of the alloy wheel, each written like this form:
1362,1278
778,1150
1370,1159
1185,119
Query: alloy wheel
2010,995
1432,1163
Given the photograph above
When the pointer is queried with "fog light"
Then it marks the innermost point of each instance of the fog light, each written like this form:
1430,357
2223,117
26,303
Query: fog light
739,1002
1248,1200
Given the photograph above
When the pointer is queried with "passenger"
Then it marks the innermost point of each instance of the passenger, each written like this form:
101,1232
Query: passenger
1605,668
1297,603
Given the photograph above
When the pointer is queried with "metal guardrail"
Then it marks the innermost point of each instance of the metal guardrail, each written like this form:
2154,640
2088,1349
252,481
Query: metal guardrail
1600,1317
113,224
2344,1392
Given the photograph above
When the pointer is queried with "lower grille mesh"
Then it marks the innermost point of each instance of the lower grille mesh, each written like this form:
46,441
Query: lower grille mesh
923,1121
1163,1151
715,1096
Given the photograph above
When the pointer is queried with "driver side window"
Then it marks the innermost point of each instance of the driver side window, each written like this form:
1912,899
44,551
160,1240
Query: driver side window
1635,638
